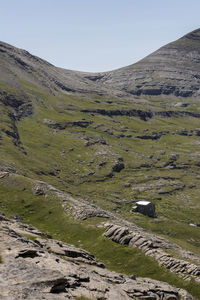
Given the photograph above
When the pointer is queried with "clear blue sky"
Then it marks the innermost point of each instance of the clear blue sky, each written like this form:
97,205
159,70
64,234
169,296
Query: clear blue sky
95,35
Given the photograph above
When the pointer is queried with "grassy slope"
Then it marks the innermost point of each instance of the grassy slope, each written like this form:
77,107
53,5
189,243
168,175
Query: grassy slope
47,214
61,158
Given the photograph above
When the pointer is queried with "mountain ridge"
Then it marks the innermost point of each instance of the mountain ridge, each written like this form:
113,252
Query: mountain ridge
171,70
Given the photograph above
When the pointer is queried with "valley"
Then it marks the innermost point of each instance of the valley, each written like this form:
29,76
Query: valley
78,150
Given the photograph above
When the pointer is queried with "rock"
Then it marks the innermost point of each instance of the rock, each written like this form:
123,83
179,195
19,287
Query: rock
4,174
143,115
59,286
127,184
3,217
197,132
62,126
193,225
154,136
118,165
181,104
66,250
95,141
154,247
27,253
38,190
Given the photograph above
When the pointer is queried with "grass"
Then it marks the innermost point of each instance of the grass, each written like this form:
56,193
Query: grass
29,236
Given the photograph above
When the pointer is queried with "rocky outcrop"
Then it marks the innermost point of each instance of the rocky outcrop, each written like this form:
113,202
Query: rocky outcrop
66,250
78,209
153,136
152,247
143,114
62,126
161,186
48,269
19,104
146,135
118,166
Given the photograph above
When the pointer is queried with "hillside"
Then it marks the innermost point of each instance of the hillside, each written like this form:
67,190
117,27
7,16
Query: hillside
79,149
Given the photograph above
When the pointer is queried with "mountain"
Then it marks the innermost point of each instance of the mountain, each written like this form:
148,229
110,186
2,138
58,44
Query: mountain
171,70
17,64
78,150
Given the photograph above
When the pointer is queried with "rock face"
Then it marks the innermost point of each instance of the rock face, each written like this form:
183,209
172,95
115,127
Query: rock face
48,269
153,247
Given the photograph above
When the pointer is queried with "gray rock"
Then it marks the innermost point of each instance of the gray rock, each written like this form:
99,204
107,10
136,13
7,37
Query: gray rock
37,270
155,248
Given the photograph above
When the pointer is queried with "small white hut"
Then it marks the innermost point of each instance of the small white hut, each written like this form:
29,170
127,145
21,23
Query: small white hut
146,208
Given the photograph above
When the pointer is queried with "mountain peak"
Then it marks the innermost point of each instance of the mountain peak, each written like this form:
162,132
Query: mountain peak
193,35
171,70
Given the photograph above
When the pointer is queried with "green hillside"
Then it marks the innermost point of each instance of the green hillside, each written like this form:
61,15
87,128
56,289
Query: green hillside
101,150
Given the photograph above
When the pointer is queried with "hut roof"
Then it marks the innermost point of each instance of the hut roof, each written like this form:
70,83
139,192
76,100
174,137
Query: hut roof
143,202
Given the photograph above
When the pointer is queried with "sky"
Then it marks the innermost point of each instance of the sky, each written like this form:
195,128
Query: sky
95,35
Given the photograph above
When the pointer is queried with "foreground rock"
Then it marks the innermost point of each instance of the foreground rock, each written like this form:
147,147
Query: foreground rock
36,270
